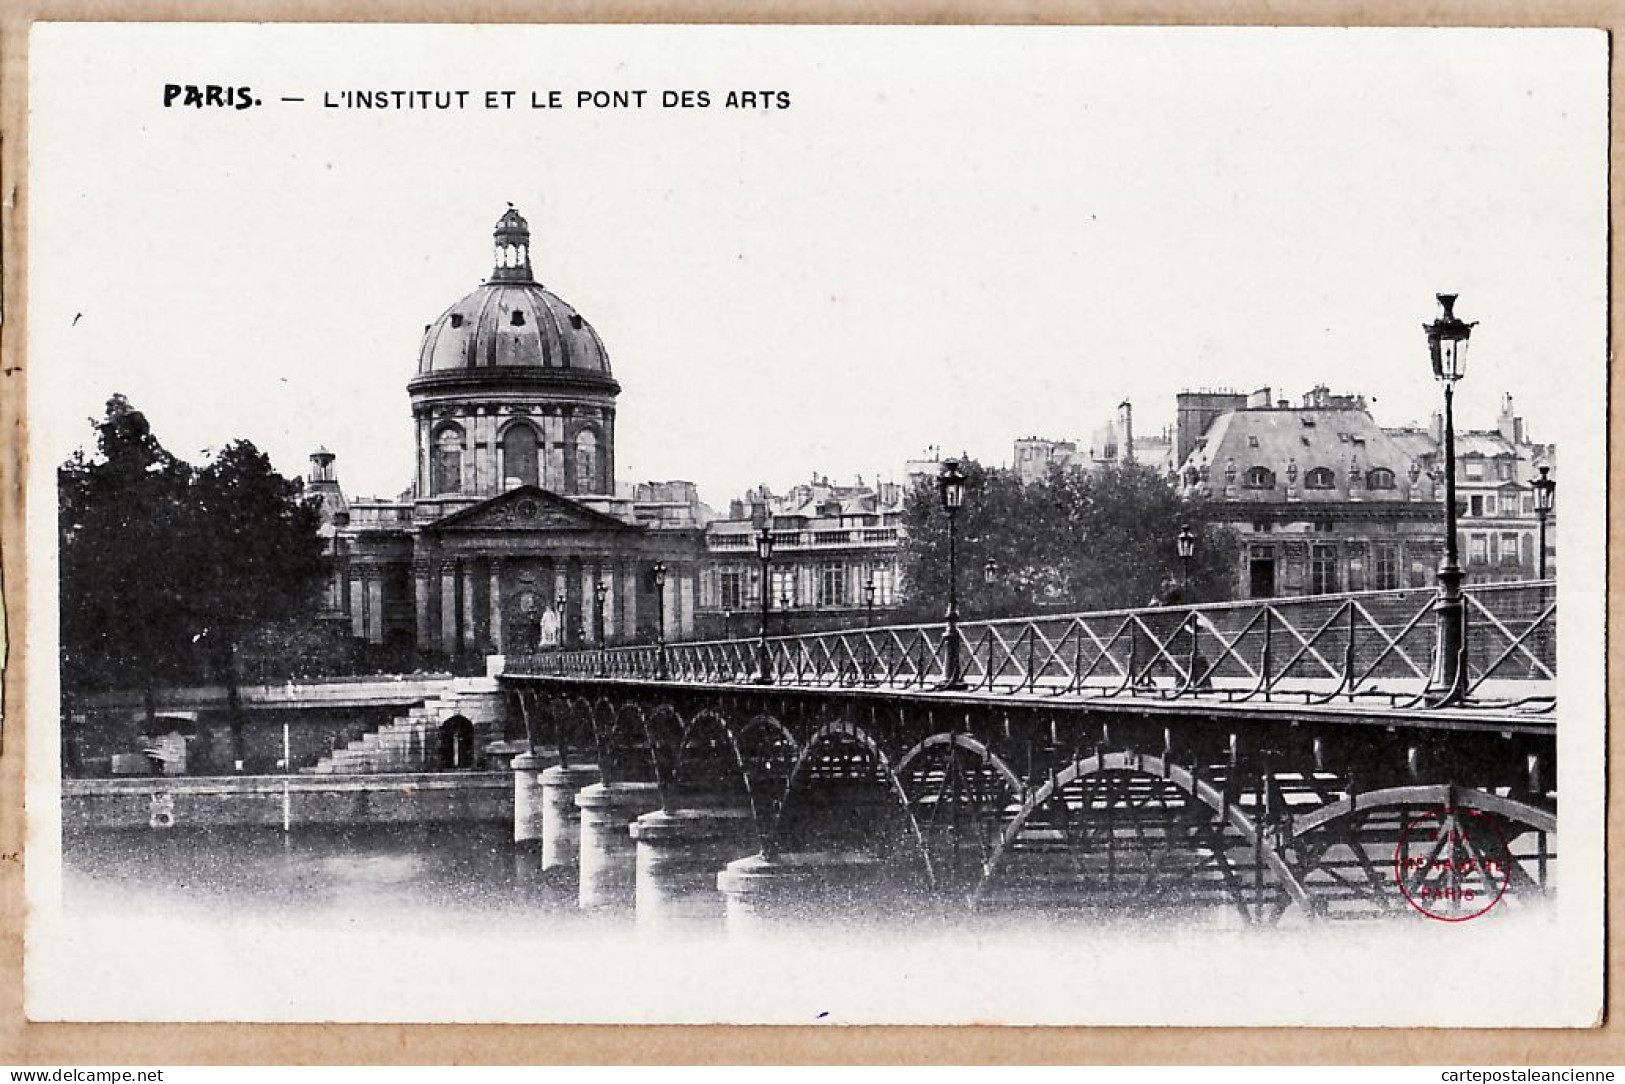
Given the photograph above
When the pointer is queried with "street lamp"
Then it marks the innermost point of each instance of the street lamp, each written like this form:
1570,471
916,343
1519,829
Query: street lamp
869,601
1545,489
1186,543
727,624
561,601
764,552
951,491
1447,347
600,590
660,633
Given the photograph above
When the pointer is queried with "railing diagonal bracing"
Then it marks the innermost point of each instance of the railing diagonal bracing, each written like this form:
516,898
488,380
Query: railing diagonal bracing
1374,647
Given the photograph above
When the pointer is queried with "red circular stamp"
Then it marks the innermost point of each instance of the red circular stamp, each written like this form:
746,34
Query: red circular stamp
1452,864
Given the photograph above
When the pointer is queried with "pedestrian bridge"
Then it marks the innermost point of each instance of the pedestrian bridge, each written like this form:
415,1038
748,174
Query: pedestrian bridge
1270,756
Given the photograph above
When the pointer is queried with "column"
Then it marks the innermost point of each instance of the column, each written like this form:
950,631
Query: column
631,575
448,607
607,570
358,603
422,586
682,623
496,604
375,604
470,633
589,605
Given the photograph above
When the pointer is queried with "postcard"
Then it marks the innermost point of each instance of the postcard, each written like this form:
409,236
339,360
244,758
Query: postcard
816,524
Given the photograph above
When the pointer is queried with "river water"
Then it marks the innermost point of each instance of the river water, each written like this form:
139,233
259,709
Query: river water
456,922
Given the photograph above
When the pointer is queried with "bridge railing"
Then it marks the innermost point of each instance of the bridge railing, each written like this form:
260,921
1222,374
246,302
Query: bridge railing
1318,648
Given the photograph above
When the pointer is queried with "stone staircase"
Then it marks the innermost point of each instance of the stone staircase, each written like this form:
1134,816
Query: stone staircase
412,742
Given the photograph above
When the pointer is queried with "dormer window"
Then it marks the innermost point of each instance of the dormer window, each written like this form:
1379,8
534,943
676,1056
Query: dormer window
456,319
1320,478
517,319
1252,442
1258,478
1380,478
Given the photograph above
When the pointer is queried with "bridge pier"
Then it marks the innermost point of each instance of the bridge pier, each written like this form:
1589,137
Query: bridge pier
805,884
607,852
527,798
561,820
678,853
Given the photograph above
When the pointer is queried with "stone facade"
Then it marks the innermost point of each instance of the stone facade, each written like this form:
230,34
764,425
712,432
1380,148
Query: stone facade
829,543
1325,500
511,537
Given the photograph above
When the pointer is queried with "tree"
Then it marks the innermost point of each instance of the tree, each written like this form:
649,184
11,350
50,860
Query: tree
166,567
257,555
1078,540
124,610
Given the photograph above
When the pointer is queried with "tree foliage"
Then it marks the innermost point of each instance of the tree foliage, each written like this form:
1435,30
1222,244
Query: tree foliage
166,567
1078,540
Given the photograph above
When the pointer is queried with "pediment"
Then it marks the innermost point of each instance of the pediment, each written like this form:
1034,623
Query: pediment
529,508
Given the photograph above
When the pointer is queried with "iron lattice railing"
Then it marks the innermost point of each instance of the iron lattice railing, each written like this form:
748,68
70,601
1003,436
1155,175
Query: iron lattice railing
1372,645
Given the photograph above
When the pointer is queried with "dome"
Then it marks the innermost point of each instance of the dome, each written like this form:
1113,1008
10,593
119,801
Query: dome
512,322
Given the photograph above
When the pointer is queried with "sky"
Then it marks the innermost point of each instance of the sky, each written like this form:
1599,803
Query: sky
951,237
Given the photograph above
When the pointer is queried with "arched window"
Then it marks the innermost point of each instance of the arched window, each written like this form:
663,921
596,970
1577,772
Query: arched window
1258,478
519,459
587,462
1379,478
1320,478
448,460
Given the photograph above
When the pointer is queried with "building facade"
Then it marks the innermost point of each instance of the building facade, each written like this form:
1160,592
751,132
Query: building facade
831,544
511,537
1324,499
1498,529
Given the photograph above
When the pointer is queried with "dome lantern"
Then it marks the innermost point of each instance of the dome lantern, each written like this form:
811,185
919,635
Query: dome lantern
512,245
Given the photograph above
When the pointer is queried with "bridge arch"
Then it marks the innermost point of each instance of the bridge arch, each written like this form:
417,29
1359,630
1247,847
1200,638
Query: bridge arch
839,732
1224,816
1344,852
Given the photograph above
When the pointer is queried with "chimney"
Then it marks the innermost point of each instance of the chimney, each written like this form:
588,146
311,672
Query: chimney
1125,432
1509,424
1259,400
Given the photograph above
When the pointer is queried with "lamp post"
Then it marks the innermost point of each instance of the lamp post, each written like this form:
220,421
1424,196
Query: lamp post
727,624
1447,348
600,589
951,492
1545,488
561,600
660,629
764,552
1186,543
869,602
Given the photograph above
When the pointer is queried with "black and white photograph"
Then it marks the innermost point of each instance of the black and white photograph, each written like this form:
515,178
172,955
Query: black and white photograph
817,524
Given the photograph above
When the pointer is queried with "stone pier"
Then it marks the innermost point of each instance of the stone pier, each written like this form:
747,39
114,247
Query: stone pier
607,858
678,854
561,819
804,884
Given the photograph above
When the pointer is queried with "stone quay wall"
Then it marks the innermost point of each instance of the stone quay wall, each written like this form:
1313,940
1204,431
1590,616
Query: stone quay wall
157,802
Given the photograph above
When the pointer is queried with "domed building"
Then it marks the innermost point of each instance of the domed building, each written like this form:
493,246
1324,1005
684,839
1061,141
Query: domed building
512,536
